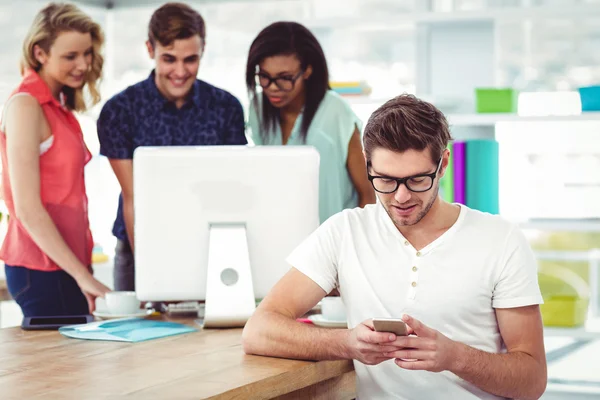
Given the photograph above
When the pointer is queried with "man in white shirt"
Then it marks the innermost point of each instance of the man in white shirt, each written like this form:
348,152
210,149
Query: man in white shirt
465,282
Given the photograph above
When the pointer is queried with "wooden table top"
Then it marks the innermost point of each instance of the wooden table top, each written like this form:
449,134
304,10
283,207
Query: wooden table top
203,364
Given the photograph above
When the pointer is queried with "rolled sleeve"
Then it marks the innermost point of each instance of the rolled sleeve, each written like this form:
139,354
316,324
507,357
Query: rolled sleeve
114,130
348,122
517,284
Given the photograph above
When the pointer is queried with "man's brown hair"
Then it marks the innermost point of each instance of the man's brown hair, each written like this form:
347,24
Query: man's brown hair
173,21
407,123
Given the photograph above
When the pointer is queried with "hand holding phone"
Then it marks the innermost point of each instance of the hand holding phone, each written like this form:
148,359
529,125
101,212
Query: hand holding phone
367,346
393,325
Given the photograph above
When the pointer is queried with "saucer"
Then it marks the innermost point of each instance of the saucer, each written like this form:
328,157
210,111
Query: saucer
323,322
105,314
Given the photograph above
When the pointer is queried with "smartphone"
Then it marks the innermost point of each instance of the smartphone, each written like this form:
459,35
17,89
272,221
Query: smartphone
393,325
50,323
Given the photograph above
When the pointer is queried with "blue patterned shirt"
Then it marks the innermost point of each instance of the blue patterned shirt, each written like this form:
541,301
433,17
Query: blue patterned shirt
141,116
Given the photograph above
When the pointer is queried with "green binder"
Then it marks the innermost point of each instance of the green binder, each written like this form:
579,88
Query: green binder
447,182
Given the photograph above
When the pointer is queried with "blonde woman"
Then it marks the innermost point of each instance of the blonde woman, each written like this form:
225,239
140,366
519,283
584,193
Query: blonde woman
48,247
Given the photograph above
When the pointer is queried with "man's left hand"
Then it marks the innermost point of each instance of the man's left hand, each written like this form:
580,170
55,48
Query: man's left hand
424,349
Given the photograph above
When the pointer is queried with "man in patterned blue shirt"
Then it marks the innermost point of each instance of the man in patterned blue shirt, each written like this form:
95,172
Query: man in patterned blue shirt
171,107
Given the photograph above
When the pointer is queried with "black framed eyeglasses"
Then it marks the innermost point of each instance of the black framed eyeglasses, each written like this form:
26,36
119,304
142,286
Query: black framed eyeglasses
284,83
416,183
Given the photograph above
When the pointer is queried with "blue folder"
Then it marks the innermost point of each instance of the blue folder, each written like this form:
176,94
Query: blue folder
125,330
482,176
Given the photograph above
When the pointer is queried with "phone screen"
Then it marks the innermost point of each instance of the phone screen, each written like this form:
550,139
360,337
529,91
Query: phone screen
67,320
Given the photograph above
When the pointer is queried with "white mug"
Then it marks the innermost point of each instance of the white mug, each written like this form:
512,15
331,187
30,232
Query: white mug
122,303
332,308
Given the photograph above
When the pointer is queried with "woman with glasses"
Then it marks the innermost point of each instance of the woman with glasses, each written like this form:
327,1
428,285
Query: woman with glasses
297,107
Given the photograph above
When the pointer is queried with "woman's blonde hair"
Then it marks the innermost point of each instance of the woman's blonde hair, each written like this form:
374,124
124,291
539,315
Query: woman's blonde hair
56,18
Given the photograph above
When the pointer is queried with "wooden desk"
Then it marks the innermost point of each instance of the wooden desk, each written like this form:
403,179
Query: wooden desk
204,364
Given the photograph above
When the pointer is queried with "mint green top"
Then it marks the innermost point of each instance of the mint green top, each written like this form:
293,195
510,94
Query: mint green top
330,131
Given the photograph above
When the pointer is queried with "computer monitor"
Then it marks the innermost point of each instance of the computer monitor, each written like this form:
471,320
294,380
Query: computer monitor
215,223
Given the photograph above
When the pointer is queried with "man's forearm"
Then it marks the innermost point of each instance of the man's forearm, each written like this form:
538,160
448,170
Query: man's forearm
272,334
128,217
513,375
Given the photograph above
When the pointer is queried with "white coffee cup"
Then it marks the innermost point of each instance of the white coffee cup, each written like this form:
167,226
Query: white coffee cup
122,303
332,308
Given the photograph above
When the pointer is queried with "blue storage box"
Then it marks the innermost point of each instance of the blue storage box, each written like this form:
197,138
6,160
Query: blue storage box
590,98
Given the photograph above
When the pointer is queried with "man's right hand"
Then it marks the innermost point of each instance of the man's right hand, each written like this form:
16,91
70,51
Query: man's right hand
92,289
367,346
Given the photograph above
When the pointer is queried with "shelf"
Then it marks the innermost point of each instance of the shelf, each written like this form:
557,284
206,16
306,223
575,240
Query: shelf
402,20
482,119
128,4
590,331
492,119
565,225
366,100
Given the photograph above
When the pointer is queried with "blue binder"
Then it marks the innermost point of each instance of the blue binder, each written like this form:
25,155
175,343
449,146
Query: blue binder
125,330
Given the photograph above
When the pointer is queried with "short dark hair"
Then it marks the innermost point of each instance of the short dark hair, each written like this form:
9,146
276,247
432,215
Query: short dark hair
407,123
173,21
288,38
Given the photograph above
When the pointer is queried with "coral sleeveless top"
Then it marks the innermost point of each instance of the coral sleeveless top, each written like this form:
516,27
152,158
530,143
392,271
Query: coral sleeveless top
62,185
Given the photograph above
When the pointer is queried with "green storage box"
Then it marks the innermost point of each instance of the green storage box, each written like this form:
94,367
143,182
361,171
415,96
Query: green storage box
564,311
490,100
566,296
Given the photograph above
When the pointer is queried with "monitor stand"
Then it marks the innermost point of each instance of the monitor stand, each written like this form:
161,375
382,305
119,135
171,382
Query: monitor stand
230,297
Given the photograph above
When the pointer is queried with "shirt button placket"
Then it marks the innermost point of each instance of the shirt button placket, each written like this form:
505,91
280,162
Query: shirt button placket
414,277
